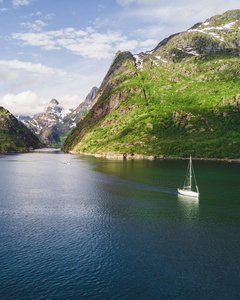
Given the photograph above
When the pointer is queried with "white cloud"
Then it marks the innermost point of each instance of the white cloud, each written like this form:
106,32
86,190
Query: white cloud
39,14
101,7
213,5
18,78
37,39
87,43
29,103
7,75
167,17
139,2
4,9
37,69
37,26
49,16
126,46
18,3
69,101
125,2
25,103
152,32
149,44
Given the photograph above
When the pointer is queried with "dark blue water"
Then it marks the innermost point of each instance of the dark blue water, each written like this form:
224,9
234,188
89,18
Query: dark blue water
100,229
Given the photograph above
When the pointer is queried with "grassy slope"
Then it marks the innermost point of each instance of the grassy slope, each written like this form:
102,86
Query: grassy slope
192,106
188,111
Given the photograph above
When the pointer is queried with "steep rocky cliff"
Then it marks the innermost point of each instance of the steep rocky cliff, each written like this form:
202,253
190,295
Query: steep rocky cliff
45,125
14,135
179,99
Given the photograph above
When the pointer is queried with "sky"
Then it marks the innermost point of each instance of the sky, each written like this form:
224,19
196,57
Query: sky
62,48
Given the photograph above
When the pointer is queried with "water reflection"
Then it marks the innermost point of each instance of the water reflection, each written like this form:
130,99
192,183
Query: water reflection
47,150
190,205
71,232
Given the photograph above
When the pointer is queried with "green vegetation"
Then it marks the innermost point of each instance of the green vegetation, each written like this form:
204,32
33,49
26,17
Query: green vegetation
190,105
14,136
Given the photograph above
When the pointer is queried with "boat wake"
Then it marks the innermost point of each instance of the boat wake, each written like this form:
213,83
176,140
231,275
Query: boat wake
132,184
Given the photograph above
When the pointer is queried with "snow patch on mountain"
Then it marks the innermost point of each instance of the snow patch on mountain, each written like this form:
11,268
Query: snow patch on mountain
54,114
65,112
140,58
139,61
212,30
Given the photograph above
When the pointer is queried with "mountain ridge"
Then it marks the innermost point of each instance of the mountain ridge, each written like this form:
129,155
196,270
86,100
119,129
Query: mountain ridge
44,124
53,125
181,98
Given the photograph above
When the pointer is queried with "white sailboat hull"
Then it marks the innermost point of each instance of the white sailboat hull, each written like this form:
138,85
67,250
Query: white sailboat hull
188,193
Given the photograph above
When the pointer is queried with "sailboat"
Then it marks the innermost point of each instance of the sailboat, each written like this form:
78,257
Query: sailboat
190,187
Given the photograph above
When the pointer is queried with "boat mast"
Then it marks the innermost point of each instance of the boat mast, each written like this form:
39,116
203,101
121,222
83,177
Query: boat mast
190,173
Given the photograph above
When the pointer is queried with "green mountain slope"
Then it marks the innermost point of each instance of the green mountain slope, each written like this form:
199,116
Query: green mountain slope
14,135
181,98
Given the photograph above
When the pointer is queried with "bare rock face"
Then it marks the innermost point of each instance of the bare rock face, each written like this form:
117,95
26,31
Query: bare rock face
44,124
56,122
235,101
118,67
108,106
71,120
54,102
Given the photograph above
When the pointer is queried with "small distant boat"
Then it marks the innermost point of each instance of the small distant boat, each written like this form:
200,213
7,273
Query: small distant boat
190,187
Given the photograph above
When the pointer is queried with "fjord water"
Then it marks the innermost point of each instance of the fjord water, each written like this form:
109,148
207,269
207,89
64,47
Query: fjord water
104,229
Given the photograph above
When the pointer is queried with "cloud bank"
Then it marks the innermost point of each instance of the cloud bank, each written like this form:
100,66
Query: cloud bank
18,3
16,76
40,34
87,43
25,103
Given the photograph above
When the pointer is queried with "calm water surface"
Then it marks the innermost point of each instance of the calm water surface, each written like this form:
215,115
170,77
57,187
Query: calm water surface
100,229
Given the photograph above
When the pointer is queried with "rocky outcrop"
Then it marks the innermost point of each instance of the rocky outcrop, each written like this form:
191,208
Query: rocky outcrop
235,101
118,67
106,107
55,123
44,125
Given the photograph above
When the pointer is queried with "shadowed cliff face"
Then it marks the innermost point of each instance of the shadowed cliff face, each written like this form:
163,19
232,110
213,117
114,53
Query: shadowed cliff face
108,97
14,135
123,63
179,99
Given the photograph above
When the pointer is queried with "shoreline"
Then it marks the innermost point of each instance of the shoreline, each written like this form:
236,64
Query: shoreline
126,156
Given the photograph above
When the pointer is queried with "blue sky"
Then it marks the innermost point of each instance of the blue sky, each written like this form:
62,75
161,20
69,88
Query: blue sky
62,48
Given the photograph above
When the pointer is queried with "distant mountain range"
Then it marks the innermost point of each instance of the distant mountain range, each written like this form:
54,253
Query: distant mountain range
53,125
181,98
15,136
